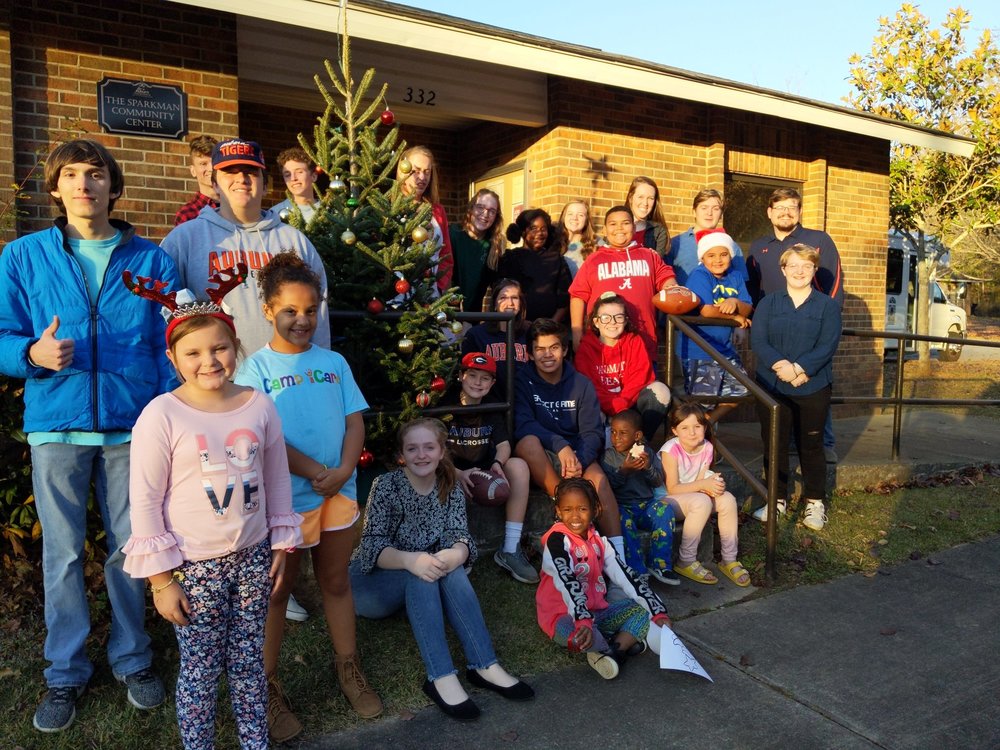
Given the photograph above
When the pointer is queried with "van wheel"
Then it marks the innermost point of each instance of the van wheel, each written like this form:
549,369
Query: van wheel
951,352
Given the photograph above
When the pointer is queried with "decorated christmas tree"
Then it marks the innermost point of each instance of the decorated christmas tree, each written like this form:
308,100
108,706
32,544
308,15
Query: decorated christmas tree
380,258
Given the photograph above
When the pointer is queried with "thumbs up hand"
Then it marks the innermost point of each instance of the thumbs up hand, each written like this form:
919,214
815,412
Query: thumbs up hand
50,352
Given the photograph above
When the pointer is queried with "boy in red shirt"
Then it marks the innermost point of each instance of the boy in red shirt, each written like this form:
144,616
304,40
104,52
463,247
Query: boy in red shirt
634,273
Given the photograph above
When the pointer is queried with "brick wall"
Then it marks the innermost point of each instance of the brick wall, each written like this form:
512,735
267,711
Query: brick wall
61,50
7,175
599,139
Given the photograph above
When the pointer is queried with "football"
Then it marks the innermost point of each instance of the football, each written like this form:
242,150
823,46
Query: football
488,489
676,300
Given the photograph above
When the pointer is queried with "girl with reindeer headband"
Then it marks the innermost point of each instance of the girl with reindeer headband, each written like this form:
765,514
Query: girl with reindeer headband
211,512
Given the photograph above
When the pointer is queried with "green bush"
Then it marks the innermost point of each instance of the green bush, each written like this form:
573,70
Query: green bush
18,521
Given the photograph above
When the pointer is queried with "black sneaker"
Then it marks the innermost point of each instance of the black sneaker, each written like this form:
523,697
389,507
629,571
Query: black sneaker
57,709
145,689
668,577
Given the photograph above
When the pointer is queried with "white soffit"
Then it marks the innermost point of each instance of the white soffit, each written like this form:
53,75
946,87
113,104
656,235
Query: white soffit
469,42
424,88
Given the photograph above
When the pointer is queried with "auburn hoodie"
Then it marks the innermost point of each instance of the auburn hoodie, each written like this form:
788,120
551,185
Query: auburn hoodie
210,243
559,414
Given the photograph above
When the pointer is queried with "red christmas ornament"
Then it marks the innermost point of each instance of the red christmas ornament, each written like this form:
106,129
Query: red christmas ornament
366,459
387,117
402,286
319,170
423,399
438,385
375,306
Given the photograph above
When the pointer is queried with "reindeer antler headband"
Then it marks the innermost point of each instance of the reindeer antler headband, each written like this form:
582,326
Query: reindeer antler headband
175,311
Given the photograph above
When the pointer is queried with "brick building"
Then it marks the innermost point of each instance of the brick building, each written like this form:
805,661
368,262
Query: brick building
541,122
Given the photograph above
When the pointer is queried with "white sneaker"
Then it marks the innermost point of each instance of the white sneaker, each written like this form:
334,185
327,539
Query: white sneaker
295,611
604,664
761,513
815,515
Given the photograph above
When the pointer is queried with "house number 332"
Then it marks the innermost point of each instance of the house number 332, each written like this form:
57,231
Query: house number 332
419,96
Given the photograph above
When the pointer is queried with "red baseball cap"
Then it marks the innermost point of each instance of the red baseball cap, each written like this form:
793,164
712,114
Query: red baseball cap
479,361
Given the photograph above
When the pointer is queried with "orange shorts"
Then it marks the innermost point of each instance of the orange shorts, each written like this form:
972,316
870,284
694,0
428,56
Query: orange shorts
336,513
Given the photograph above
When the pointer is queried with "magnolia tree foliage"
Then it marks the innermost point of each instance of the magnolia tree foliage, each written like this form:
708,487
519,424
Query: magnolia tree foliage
934,77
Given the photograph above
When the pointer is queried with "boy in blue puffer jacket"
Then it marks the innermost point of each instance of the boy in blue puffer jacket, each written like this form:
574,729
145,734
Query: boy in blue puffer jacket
93,355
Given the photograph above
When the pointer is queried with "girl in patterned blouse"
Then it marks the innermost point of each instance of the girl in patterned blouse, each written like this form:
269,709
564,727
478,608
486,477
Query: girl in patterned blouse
413,553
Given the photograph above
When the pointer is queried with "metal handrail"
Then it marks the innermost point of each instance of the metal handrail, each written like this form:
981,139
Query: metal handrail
897,400
506,406
770,493
684,322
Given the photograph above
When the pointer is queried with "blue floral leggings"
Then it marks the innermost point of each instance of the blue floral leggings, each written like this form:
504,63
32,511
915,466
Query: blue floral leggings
657,517
228,597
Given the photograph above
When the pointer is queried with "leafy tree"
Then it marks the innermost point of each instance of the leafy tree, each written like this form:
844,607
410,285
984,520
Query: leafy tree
930,77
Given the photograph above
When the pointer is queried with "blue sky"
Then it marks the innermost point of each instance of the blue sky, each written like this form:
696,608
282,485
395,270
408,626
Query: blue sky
797,47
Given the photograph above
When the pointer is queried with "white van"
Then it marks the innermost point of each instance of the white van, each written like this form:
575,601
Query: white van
947,319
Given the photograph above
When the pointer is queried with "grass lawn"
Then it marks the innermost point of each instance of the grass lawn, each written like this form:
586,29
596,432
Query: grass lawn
866,532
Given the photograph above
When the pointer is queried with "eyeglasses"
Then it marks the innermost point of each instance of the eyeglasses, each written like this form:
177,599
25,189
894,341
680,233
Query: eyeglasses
799,266
619,318
484,210
790,210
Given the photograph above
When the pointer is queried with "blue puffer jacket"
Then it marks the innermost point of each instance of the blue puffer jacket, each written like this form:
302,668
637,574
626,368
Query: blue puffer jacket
119,360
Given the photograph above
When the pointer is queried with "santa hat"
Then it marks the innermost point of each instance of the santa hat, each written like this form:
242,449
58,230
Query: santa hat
709,238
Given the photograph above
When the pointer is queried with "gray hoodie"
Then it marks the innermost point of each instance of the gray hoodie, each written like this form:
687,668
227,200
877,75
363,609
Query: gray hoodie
210,243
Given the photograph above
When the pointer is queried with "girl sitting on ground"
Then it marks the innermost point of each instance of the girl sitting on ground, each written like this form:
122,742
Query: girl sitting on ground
577,566
413,554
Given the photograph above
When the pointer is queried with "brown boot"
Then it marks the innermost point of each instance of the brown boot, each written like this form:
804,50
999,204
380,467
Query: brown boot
355,687
282,725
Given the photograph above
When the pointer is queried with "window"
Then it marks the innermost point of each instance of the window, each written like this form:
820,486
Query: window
746,207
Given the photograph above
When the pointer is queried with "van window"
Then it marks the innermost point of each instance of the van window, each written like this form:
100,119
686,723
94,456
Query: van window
938,297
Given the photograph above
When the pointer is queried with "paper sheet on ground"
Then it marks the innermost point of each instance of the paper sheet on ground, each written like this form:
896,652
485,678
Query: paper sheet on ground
673,653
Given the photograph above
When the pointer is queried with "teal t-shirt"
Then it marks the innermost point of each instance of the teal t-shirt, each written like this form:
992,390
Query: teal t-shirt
314,392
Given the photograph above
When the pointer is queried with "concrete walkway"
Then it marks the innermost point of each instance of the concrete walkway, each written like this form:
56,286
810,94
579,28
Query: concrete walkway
903,660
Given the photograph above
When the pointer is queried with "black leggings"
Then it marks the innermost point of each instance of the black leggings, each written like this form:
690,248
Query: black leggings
803,417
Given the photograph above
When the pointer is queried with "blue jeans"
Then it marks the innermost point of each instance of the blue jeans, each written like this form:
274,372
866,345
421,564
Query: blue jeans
383,592
61,478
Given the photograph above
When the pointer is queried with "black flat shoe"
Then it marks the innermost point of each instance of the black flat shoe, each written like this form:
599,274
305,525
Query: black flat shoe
519,691
464,711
